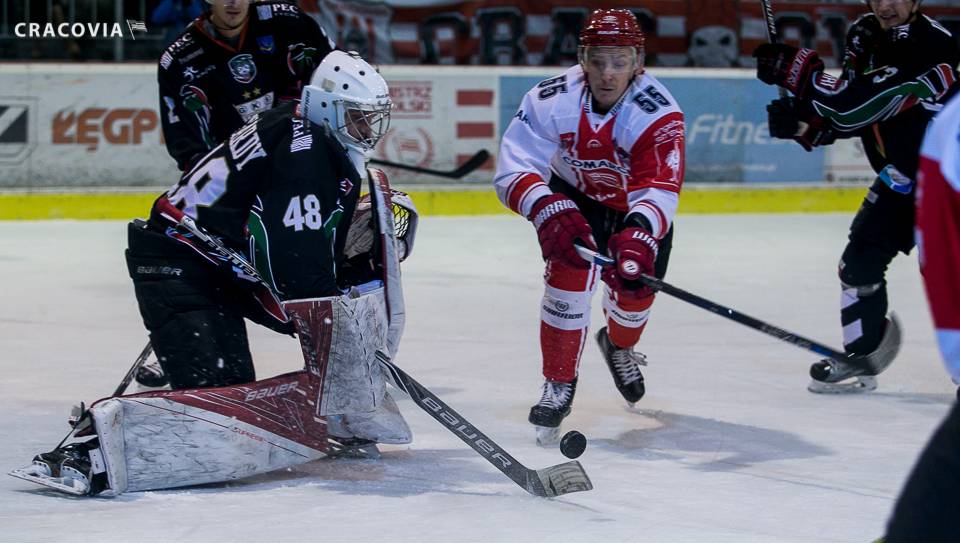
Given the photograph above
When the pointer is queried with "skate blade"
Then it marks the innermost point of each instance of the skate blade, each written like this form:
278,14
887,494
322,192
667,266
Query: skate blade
548,436
854,385
67,485
352,448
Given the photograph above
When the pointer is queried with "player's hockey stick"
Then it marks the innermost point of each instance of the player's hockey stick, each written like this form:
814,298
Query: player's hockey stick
144,354
863,362
772,35
548,482
467,167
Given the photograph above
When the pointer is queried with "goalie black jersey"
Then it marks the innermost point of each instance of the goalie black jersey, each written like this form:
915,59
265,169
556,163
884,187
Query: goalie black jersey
209,88
888,94
286,181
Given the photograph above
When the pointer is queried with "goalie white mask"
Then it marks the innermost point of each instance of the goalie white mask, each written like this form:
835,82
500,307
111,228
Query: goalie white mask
348,95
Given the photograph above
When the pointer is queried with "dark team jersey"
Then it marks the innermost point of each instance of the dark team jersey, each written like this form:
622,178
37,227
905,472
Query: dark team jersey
889,93
293,181
209,88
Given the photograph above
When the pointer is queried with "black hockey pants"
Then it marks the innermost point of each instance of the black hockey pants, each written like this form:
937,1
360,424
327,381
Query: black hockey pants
195,315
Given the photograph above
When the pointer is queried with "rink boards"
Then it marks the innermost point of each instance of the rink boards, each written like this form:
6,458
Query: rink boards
84,141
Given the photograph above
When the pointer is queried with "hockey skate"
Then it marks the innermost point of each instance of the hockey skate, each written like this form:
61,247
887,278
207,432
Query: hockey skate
624,365
76,469
150,376
840,377
555,403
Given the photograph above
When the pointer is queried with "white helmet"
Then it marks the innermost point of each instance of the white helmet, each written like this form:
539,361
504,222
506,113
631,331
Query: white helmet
350,97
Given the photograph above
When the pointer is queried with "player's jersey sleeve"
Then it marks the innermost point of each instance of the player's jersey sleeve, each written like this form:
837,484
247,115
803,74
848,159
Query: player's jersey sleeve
304,42
528,145
184,108
657,155
925,71
218,191
938,222
656,172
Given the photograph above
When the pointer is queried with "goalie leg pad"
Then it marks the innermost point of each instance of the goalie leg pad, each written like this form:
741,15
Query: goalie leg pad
190,437
339,336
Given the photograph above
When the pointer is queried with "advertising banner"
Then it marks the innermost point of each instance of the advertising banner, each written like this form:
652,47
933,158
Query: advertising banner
90,126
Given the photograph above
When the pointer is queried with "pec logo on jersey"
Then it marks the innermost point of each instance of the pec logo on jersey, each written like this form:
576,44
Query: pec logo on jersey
266,44
242,68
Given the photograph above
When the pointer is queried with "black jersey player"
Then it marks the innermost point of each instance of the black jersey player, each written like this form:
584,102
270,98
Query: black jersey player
899,68
229,64
294,172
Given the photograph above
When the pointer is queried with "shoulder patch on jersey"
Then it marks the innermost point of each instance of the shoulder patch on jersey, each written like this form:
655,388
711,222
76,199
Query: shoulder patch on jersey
166,59
266,44
264,12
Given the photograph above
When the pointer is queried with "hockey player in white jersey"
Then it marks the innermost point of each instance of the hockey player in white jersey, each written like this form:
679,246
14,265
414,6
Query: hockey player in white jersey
595,156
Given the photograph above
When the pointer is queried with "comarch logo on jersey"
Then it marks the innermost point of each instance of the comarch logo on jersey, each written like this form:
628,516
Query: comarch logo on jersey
78,30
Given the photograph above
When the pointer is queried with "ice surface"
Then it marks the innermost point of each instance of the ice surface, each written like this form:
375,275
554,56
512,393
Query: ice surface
727,445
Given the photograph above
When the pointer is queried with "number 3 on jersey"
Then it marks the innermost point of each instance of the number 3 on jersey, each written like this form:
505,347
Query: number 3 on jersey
305,212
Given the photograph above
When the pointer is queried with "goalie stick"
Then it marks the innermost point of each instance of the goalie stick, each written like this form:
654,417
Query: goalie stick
548,482
859,361
466,168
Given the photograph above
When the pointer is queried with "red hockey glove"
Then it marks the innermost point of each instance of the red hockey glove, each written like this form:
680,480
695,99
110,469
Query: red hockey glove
635,251
788,67
559,222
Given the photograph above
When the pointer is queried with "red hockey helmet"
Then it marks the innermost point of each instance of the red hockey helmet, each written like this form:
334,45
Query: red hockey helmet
612,28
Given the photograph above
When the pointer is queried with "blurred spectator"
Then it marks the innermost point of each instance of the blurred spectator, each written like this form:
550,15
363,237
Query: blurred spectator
175,15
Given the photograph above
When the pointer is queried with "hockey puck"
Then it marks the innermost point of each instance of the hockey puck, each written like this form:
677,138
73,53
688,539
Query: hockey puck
572,444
